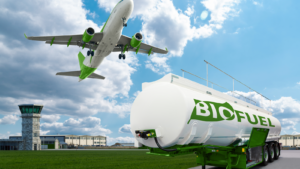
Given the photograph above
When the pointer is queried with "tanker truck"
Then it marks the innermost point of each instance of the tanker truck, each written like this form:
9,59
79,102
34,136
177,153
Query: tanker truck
175,116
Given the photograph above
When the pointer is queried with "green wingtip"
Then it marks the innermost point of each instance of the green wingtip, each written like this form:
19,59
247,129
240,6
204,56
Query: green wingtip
25,36
166,49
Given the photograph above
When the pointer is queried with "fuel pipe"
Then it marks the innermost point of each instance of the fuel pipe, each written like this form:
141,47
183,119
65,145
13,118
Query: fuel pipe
163,148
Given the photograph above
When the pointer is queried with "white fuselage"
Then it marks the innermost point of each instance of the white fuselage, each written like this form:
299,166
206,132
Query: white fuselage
111,33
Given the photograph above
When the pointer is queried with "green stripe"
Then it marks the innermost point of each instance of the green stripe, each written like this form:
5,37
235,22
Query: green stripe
108,17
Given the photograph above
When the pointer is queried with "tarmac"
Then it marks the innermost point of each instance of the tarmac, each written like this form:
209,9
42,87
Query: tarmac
288,159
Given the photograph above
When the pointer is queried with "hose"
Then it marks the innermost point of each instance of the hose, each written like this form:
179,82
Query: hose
163,148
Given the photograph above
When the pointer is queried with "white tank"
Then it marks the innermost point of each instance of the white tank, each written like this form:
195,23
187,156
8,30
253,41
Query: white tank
183,112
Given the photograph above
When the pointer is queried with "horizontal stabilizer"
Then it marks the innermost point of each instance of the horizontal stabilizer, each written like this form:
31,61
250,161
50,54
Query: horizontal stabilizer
73,73
77,74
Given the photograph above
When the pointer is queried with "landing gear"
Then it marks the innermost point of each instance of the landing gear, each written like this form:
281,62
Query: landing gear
90,52
124,22
122,56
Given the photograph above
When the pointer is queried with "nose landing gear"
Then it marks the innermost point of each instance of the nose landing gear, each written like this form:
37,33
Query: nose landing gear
124,20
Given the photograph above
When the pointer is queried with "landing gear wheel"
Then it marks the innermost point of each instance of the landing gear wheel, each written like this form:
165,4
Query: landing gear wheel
125,24
271,152
276,150
92,53
88,53
124,56
265,155
120,56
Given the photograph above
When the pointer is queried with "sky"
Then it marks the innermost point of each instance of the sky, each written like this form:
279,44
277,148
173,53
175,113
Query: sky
256,42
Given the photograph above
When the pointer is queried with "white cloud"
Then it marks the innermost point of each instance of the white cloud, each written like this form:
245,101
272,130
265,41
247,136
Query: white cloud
9,119
7,134
59,95
50,118
111,141
257,3
125,128
298,83
158,64
136,93
189,11
80,126
164,25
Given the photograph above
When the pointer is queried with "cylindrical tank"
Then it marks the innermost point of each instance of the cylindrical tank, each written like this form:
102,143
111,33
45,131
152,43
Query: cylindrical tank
181,115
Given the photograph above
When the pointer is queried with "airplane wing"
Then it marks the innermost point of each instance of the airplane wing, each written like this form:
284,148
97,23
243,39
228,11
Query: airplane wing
69,40
144,48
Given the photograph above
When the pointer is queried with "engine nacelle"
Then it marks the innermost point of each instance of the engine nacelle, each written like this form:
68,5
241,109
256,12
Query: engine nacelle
136,40
88,35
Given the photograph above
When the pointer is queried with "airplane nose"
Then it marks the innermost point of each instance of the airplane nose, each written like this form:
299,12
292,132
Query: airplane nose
129,3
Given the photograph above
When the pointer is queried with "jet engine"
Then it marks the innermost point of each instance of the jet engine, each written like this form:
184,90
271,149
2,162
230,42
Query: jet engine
136,40
88,35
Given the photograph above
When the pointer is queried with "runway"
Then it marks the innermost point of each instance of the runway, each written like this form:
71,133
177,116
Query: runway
288,159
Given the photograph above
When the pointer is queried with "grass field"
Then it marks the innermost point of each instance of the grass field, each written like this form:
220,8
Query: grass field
92,159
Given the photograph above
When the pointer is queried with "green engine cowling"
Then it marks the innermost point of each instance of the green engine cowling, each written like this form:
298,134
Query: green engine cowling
136,40
88,35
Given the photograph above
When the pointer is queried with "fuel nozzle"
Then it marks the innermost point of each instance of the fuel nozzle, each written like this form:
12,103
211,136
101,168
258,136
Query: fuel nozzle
143,134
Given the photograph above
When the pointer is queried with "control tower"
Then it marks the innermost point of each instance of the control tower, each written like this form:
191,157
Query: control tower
31,114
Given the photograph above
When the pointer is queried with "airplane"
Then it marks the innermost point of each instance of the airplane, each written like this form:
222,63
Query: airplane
101,44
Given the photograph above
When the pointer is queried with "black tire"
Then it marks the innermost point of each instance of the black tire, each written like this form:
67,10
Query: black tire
92,53
265,155
120,56
276,150
88,53
124,56
271,152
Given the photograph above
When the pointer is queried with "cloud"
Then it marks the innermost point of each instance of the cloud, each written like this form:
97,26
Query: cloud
164,25
125,128
36,64
158,64
80,126
285,109
7,134
257,3
9,119
50,118
298,83
111,141
189,11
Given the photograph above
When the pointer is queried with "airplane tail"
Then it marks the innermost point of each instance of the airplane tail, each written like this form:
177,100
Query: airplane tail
77,73
80,59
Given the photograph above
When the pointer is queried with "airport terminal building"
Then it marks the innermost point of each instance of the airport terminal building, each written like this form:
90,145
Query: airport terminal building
290,140
32,140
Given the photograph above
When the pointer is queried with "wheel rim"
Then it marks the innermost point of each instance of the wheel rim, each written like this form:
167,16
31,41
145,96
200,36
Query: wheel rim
266,155
272,153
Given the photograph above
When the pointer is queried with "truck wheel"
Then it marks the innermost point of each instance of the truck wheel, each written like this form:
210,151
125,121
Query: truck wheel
276,150
265,155
271,152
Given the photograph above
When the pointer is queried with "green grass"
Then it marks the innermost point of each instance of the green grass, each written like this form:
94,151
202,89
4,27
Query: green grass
92,159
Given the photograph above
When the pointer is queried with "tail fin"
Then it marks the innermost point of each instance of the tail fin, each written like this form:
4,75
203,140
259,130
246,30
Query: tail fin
77,74
80,59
